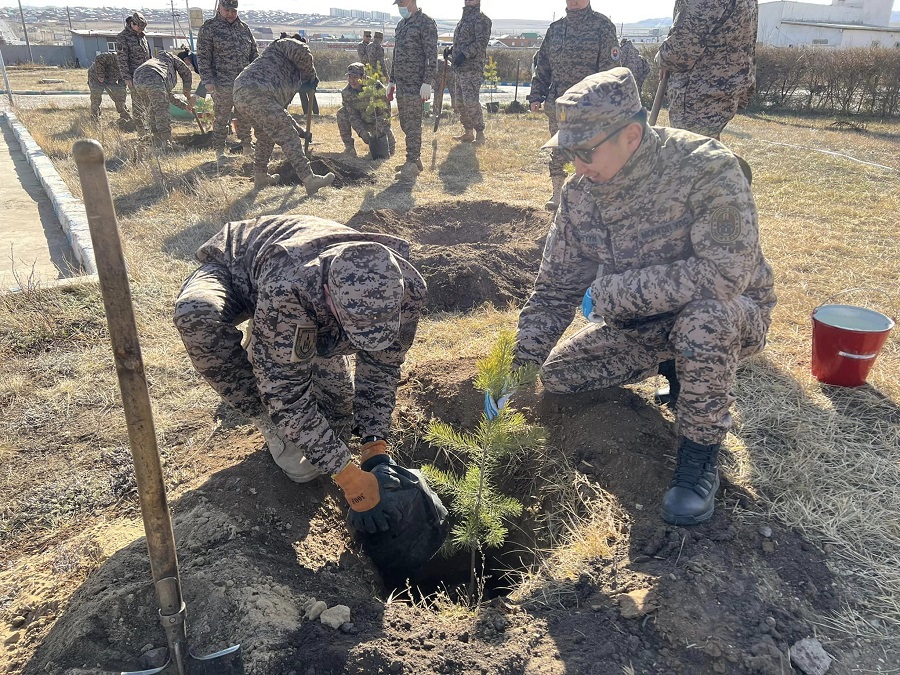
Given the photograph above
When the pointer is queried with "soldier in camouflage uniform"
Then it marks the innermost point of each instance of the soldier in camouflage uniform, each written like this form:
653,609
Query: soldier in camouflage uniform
317,292
375,55
225,46
352,116
362,48
103,75
132,49
661,228
263,92
581,43
412,78
154,80
709,54
631,58
468,54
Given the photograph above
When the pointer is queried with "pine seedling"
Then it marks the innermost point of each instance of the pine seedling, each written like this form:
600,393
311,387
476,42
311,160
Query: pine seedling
490,76
373,94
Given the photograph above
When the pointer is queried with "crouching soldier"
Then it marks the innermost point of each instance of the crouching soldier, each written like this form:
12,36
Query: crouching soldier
104,75
353,116
154,80
262,92
317,292
660,227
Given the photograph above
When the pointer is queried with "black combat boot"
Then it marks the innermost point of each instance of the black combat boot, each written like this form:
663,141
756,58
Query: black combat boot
690,499
668,395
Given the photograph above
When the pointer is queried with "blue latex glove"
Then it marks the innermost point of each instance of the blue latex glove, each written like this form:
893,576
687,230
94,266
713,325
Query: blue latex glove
306,87
587,308
493,407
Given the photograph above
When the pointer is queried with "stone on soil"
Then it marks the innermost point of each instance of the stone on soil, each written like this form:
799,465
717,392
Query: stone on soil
810,657
335,616
636,604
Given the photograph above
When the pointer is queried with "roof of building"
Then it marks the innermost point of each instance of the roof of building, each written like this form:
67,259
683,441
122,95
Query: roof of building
843,26
113,33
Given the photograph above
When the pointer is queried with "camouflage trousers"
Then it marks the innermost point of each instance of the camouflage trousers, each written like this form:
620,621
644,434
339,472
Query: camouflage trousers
410,110
153,91
140,108
272,125
223,101
557,161
346,130
705,110
706,339
466,101
209,308
115,91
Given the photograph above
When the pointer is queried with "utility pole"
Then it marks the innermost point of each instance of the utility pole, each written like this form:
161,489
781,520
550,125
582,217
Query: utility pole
25,30
69,17
174,30
190,27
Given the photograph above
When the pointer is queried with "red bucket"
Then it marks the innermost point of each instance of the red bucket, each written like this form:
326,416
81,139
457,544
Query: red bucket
845,342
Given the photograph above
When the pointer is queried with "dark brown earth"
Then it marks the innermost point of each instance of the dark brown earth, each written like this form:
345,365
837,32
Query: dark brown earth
720,597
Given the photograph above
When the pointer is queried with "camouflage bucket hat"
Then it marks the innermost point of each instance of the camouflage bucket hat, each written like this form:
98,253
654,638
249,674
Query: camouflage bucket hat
366,286
357,69
228,4
602,102
139,19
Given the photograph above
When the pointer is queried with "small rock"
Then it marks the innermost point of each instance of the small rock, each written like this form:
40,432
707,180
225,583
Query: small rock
463,637
765,531
810,657
396,667
500,623
768,546
771,622
638,507
315,611
146,648
828,548
154,658
13,638
348,628
17,621
596,608
252,491
335,616
636,604
229,583
306,605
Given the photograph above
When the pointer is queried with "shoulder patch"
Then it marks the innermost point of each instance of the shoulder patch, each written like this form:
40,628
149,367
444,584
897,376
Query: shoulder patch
304,348
725,225
614,53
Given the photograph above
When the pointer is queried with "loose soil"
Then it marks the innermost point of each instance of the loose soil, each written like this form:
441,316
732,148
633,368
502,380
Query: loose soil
729,596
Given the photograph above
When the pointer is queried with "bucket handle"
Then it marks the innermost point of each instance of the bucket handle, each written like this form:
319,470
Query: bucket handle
884,294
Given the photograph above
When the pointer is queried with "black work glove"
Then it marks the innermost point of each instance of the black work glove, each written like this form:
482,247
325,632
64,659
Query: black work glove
308,87
458,60
365,137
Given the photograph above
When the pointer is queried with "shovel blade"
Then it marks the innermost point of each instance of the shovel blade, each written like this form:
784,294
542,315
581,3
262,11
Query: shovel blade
225,662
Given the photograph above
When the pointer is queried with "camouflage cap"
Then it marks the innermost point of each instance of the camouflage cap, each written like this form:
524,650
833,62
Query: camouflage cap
139,19
602,102
357,69
228,4
366,286
379,34
367,33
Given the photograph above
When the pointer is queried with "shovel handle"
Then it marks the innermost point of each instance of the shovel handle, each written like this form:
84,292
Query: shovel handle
113,274
658,99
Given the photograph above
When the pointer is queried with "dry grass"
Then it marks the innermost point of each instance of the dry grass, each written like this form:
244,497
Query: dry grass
823,460
74,79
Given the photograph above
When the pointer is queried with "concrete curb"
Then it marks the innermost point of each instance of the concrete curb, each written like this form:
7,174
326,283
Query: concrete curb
68,208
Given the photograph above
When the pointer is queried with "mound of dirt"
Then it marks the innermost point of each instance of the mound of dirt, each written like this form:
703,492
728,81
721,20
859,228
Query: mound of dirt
470,253
344,173
725,597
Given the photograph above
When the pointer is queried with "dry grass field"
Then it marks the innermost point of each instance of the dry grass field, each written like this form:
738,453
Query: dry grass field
820,461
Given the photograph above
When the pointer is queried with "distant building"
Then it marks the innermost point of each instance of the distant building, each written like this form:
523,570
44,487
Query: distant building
843,23
520,41
88,43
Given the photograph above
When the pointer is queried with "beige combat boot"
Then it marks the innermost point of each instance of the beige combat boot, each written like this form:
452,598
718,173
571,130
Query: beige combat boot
349,149
287,455
553,203
314,183
467,137
479,137
408,171
262,179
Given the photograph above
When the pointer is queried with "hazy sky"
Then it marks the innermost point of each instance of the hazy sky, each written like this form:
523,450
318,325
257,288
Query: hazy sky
617,10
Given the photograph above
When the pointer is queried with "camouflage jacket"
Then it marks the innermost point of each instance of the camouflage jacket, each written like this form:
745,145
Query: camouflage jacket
283,261
283,67
470,38
712,45
631,58
678,223
375,58
166,66
105,69
582,43
224,50
415,53
132,50
362,50
360,120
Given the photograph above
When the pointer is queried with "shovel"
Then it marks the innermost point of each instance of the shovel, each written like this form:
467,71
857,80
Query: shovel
658,99
116,292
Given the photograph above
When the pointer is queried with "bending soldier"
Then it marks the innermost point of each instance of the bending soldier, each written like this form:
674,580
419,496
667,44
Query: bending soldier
581,43
154,80
317,292
353,116
661,228
103,75
225,46
468,55
132,49
263,92
412,78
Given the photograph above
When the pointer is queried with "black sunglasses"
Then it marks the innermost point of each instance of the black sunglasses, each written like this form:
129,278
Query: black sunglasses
586,155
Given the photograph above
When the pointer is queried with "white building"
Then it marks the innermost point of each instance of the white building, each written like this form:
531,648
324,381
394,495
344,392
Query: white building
842,23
